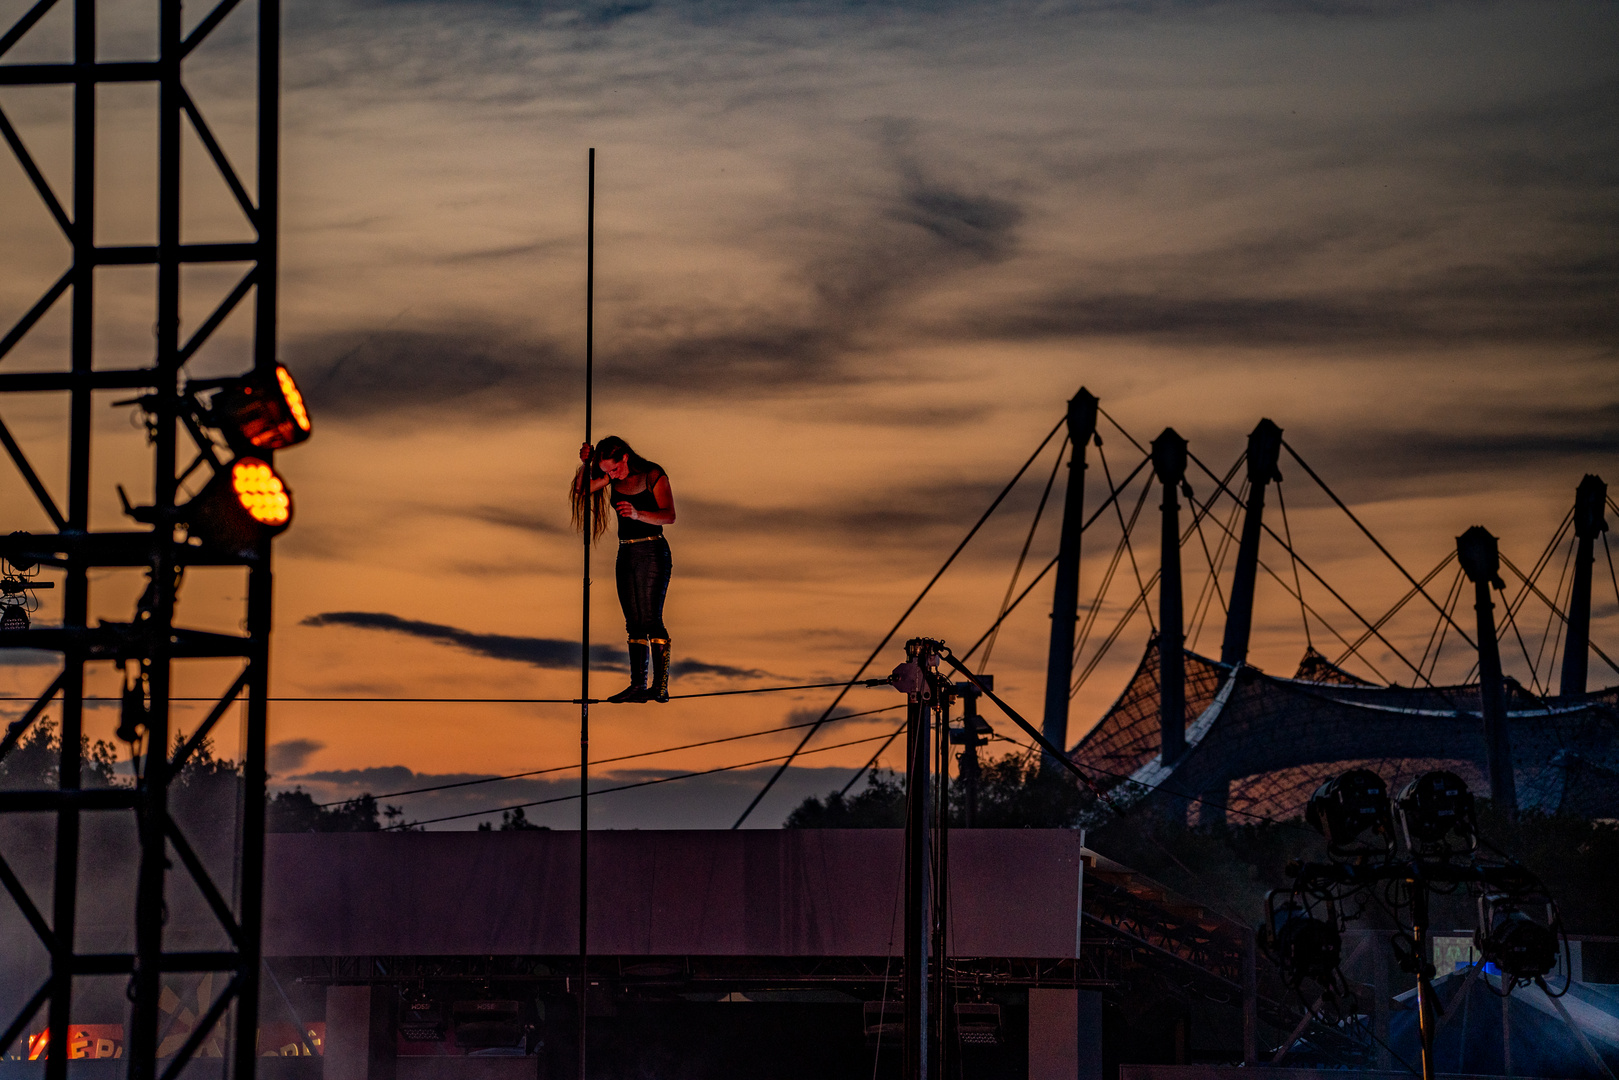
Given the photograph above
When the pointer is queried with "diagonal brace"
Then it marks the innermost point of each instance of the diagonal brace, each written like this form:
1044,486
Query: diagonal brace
35,313
18,727
29,911
204,1027
28,474
221,162
12,36
24,1017
41,185
206,27
220,313
205,884
209,721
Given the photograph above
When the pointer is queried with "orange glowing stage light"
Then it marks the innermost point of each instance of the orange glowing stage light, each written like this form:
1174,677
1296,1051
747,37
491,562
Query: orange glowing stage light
262,413
246,502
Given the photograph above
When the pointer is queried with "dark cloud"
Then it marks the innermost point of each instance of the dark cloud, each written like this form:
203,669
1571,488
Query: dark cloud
552,653
28,658
555,653
289,755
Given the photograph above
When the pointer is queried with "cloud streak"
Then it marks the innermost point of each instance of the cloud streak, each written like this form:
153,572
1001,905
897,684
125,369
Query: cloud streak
549,653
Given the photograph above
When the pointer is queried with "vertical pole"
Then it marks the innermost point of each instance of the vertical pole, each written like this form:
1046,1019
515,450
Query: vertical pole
941,873
1065,594
1250,999
1419,940
1481,560
1264,447
919,715
260,579
1588,524
76,590
584,633
1169,463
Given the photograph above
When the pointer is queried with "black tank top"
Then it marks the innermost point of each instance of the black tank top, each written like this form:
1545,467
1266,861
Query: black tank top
644,500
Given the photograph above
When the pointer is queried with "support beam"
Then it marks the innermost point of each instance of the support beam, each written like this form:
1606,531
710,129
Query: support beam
1065,594
1588,525
1169,464
1480,557
920,698
1264,448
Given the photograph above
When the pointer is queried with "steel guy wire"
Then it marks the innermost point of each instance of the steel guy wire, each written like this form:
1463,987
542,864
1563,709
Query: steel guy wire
608,761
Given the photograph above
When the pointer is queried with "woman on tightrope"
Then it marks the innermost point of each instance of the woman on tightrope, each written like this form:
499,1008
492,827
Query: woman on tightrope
645,504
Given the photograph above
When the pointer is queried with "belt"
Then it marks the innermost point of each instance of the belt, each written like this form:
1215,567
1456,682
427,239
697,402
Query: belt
638,539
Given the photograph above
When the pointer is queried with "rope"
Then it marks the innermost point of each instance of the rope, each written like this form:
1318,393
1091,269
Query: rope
810,734
607,761
1023,555
628,787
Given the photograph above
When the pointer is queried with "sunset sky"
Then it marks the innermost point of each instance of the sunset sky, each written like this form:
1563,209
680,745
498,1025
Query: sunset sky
851,261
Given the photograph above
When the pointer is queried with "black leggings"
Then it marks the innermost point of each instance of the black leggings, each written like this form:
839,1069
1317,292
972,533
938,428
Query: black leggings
643,580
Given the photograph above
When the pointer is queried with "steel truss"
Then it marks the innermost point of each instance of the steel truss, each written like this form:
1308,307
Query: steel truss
151,639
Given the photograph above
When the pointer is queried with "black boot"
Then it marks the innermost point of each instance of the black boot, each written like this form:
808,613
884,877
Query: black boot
636,691
660,672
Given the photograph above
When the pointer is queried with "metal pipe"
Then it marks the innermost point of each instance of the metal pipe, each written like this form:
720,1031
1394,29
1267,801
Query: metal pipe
1588,524
1065,593
584,630
918,931
1264,448
1169,464
1480,558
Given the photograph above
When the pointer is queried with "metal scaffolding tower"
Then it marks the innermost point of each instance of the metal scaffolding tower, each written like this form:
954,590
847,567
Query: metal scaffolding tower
151,642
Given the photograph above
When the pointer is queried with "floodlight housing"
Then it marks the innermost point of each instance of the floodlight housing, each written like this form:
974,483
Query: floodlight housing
1513,941
246,502
1434,809
1306,947
261,412
1347,807
13,617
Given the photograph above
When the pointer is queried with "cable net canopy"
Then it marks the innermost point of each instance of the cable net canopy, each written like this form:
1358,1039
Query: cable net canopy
1259,745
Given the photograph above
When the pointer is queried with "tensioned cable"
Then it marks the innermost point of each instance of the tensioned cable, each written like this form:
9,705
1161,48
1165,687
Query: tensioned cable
1336,595
1113,494
1093,610
1017,571
1293,558
1509,565
1379,544
1223,488
1534,673
1129,550
1124,620
1441,625
478,701
1545,634
627,787
608,761
1395,610
808,735
1211,590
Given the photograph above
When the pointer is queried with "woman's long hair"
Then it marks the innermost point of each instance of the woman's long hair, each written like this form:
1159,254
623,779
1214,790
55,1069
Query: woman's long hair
588,505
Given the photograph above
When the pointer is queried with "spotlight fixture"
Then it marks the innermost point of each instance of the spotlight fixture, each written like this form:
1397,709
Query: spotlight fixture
421,1019
261,412
13,616
1346,807
1435,807
245,502
1306,947
1513,941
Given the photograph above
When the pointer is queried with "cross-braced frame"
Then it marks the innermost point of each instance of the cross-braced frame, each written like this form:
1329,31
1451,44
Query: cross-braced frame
151,640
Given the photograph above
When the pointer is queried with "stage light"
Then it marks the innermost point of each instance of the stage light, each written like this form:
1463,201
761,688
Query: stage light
1304,946
13,617
264,413
978,1024
1435,807
245,502
1345,807
421,1019
1515,943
